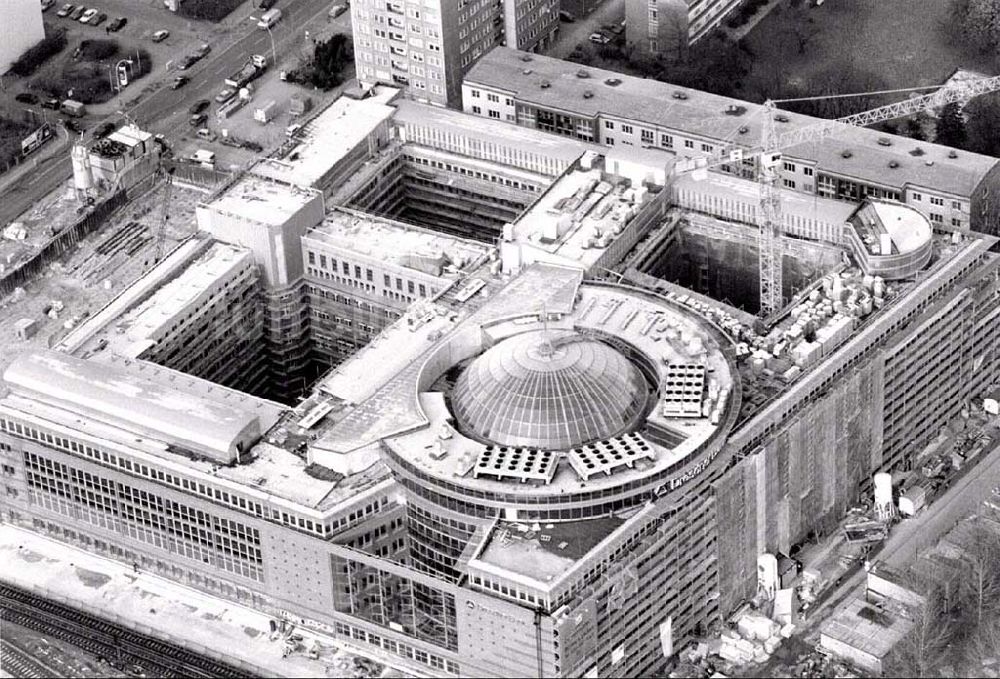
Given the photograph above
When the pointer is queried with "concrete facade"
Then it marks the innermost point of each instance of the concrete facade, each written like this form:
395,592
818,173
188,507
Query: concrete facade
20,29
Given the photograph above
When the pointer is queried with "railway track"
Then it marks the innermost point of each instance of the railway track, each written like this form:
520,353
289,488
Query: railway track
137,653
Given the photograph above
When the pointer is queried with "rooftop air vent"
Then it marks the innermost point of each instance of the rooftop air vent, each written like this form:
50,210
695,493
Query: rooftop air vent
582,74
545,85
884,141
614,82
928,163
587,94
525,57
744,129
917,152
680,95
526,71
893,164
953,154
734,110
781,118
846,154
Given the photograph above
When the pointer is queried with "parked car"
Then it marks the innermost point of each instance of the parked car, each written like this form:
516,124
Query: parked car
117,25
188,61
65,10
160,36
103,130
599,38
198,119
71,125
47,5
77,13
50,103
88,15
179,82
266,4
225,95
199,106
337,10
99,19
26,98
566,17
203,51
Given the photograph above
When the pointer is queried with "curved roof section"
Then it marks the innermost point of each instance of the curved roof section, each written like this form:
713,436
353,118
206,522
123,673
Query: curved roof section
115,395
908,229
549,390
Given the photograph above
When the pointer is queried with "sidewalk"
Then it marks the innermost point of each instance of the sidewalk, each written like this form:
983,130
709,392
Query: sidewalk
215,627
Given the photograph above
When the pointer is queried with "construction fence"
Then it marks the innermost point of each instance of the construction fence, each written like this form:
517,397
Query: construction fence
69,237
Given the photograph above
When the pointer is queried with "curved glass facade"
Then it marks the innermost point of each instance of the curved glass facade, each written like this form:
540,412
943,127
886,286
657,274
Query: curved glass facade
549,390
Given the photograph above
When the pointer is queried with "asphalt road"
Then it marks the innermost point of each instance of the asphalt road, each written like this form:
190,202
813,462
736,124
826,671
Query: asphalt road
156,112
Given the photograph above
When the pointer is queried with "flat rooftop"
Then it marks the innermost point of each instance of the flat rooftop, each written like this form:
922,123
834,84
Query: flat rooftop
394,242
485,131
261,200
705,116
543,552
328,137
907,228
866,628
130,333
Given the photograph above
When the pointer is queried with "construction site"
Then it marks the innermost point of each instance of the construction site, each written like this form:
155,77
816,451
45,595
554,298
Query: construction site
500,379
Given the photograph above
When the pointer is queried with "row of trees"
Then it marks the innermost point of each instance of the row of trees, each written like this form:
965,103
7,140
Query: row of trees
977,22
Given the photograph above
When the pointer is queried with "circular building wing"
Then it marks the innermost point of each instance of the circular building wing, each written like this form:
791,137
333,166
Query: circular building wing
549,390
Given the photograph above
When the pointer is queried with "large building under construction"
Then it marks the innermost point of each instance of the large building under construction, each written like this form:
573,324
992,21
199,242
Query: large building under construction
485,400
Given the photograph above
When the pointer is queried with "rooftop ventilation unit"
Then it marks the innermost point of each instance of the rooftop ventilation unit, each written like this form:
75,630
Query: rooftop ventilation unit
893,164
917,152
953,154
884,141
582,74
846,154
545,85
526,71
679,95
743,129
781,118
587,94
928,163
525,57
613,82
734,110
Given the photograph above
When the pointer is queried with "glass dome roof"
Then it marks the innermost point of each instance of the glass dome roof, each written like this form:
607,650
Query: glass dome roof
550,391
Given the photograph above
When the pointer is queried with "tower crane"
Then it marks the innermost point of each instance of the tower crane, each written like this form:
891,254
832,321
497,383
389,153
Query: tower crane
768,156
161,229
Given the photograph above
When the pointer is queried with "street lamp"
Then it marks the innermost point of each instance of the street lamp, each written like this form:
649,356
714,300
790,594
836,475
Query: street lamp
274,53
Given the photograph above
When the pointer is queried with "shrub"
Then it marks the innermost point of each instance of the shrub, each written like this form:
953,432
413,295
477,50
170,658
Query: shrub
96,50
212,10
37,55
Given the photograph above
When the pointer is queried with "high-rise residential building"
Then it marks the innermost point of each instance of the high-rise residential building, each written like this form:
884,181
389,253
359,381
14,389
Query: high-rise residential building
669,27
20,28
427,46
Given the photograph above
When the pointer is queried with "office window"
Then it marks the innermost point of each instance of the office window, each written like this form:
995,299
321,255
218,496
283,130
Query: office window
937,218
387,280
495,114
475,94
688,144
956,205
312,257
477,110
807,171
917,196
789,167
956,222
666,141
627,129
789,184
608,124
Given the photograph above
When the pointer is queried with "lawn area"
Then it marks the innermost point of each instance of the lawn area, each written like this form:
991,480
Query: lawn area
892,43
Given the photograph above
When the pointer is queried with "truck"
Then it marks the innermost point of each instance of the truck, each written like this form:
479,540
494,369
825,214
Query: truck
250,71
266,112
73,108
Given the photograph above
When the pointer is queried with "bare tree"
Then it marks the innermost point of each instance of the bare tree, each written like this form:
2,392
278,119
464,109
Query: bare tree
803,27
920,652
982,581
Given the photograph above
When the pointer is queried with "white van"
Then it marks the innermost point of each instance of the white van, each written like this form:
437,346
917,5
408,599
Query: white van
269,18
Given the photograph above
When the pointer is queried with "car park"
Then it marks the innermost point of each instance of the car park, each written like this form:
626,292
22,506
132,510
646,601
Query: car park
99,19
87,16
160,36
199,106
117,25
337,10
225,95
198,119
26,98
599,38
179,82
65,10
